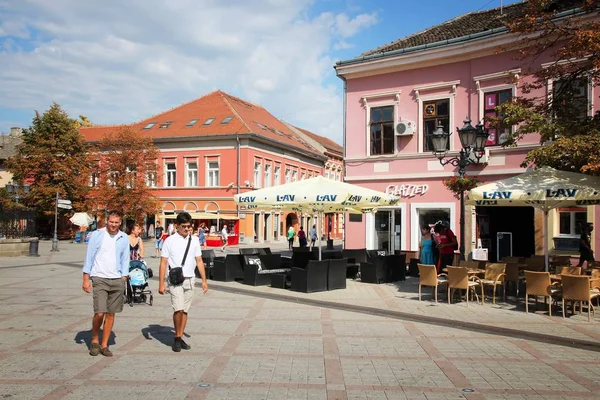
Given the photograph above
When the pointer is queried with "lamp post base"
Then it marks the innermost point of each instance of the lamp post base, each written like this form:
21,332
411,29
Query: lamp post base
54,244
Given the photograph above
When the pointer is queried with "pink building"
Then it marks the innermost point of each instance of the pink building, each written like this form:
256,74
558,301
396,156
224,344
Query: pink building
399,93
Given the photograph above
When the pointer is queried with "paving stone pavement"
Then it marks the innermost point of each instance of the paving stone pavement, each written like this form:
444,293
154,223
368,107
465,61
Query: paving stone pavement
364,342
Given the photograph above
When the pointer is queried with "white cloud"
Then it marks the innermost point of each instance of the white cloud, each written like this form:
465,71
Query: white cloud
119,62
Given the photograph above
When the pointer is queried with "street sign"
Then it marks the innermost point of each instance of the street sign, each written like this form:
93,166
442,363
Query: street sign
65,202
65,206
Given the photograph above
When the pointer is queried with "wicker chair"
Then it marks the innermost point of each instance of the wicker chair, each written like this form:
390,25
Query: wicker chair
428,277
535,264
513,276
577,288
494,276
458,279
569,271
538,284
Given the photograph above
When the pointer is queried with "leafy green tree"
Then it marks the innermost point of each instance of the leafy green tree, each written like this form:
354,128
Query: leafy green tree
125,167
569,136
53,157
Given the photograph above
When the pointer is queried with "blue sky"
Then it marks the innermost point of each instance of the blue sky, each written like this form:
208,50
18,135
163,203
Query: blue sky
120,62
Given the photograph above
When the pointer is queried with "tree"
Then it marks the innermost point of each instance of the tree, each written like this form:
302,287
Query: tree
83,121
569,136
53,157
126,165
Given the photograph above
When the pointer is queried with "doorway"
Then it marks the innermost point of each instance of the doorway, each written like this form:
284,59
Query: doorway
266,227
388,230
519,221
256,226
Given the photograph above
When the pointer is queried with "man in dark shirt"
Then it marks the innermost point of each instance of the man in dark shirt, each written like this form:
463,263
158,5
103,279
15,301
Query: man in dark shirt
446,243
585,244
159,240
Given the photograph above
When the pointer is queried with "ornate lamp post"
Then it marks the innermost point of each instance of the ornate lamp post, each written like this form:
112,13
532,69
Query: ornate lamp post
14,189
473,141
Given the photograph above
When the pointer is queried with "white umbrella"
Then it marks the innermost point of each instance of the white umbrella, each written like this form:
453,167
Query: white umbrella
544,188
81,219
316,195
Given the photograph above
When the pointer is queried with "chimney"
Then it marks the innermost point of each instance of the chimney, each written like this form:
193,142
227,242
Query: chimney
15,131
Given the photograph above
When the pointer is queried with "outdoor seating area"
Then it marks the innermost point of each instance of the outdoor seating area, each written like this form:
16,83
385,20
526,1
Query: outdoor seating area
565,286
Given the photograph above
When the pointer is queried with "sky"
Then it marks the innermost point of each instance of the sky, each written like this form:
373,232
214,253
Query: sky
123,61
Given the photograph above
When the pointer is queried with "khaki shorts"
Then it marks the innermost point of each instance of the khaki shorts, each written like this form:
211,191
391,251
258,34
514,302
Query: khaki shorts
182,295
108,294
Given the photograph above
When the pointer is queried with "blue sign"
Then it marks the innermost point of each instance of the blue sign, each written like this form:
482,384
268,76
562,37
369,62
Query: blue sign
561,192
326,197
247,199
286,197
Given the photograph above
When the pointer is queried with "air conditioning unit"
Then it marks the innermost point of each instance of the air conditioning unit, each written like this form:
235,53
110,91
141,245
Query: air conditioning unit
405,128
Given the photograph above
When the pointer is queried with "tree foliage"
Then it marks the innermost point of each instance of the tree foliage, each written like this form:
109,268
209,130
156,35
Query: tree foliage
573,42
53,157
126,163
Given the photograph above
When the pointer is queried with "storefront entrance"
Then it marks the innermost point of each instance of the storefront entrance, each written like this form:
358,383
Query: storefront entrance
514,223
388,230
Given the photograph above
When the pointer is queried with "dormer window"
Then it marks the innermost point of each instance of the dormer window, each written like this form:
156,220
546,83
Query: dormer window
150,125
192,122
208,121
226,120
165,125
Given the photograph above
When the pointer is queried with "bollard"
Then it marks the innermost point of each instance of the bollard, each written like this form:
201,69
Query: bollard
329,244
33,247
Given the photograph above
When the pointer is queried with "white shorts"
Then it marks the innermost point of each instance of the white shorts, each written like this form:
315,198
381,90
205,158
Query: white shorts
182,295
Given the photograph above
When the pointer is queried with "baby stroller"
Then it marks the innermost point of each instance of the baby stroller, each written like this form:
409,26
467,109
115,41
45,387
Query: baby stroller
137,291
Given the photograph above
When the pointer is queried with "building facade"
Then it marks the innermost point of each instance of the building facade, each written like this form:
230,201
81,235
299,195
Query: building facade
397,94
220,145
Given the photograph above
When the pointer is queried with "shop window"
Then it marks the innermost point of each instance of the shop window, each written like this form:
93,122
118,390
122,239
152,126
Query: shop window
382,130
570,221
491,100
435,112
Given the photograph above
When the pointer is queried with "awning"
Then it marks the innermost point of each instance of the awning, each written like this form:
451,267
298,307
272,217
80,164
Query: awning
204,215
232,217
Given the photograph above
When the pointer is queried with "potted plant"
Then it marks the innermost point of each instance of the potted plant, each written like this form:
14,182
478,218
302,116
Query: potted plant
458,185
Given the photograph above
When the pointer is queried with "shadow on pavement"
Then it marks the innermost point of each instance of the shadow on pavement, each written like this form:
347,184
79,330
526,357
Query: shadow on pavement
163,334
86,337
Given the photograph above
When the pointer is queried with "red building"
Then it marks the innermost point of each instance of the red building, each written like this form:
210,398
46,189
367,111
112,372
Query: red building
219,145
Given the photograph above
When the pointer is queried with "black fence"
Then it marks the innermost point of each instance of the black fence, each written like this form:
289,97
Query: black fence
17,224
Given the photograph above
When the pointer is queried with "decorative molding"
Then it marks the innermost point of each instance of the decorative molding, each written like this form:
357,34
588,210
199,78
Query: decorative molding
442,85
496,75
366,97
564,62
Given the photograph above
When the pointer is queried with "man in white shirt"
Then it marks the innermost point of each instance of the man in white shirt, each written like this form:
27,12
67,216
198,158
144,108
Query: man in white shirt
173,252
106,269
224,236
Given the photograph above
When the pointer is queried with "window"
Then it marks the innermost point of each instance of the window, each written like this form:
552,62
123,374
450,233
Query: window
130,177
257,171
165,125
150,125
261,126
212,174
288,175
491,100
192,174
435,112
208,121
170,174
151,179
277,176
267,176
112,178
302,175
226,120
295,176
192,122
571,220
570,99
327,173
382,130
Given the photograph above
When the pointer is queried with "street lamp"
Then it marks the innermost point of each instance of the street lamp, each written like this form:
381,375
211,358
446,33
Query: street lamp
14,189
473,141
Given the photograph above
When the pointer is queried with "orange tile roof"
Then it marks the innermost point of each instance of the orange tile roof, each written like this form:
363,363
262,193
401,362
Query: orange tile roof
246,118
323,141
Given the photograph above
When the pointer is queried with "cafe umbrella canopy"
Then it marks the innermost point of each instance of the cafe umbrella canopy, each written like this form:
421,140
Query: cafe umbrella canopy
545,188
316,195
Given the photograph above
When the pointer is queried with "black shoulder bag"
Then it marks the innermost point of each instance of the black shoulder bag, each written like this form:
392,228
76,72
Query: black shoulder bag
176,274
